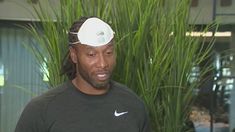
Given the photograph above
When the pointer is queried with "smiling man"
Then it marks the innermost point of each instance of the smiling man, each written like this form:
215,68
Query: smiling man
90,101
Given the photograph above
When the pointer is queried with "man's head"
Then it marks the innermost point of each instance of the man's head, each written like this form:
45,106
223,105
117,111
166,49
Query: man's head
92,51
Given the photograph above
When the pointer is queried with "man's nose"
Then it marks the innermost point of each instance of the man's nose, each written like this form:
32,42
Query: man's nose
102,61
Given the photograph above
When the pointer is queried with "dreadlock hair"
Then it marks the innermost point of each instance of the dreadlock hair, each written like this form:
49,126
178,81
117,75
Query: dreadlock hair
68,67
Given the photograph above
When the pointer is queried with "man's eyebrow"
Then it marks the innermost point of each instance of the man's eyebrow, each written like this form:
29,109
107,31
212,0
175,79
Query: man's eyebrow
110,44
88,47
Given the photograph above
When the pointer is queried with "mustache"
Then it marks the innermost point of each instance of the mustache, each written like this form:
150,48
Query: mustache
102,72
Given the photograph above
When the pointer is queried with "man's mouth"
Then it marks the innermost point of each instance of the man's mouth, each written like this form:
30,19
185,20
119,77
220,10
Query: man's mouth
102,76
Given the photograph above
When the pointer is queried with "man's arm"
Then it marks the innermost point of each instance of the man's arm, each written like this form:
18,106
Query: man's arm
146,125
31,119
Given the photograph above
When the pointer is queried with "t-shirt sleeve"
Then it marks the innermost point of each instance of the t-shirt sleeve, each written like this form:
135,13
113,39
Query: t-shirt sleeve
146,126
31,119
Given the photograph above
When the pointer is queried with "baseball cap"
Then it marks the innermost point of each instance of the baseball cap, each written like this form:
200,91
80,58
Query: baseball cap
94,32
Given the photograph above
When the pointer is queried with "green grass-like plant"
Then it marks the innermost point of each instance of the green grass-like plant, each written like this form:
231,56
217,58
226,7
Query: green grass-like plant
155,57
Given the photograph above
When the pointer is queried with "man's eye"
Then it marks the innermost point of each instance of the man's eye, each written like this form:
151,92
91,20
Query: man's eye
109,52
91,54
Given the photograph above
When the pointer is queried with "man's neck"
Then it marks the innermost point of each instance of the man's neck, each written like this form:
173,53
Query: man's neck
86,88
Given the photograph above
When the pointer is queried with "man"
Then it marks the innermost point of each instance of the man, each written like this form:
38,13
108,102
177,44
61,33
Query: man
90,101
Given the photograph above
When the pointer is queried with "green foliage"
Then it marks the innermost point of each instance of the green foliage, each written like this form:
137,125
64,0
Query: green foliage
155,57
51,36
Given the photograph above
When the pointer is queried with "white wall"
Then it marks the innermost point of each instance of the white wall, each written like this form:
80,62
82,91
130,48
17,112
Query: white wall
21,10
202,14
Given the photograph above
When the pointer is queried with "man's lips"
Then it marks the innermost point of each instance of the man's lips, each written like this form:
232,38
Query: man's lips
102,76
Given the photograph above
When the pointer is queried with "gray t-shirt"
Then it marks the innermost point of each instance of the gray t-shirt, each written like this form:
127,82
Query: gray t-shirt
66,109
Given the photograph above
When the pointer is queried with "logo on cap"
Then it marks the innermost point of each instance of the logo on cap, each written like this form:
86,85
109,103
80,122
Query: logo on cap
100,33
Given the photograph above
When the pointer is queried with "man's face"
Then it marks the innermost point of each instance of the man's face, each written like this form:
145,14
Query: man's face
94,65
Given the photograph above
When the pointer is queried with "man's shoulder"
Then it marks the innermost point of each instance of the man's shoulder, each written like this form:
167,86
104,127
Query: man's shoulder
45,98
122,88
125,92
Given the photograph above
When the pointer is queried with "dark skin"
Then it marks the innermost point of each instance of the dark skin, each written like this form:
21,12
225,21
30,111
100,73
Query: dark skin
94,66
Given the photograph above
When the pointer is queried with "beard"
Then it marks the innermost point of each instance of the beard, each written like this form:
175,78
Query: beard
90,80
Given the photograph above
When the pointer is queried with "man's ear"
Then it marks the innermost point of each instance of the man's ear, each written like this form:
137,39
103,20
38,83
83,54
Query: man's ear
73,55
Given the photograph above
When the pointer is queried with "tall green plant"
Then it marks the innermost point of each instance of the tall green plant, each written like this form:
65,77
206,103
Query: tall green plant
50,36
155,57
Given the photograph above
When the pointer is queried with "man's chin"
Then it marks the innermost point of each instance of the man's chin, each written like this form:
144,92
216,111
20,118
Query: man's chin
101,85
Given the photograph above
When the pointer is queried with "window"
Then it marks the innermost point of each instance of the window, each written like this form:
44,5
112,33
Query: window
1,75
45,71
225,2
194,3
1,68
19,75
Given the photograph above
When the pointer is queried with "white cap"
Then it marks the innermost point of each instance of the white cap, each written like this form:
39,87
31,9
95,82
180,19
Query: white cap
94,32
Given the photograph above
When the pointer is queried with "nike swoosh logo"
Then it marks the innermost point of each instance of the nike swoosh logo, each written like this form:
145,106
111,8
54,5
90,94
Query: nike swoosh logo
119,114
